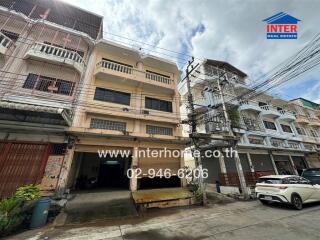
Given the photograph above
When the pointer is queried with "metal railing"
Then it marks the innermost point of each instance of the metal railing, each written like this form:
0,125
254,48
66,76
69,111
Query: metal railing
57,52
130,70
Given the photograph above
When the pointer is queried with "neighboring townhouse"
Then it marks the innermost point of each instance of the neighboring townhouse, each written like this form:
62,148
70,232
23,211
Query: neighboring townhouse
269,140
130,103
308,127
44,47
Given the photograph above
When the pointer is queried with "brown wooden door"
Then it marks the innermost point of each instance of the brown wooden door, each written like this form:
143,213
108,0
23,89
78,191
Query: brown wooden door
21,164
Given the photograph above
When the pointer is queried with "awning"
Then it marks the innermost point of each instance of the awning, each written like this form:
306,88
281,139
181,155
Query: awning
34,113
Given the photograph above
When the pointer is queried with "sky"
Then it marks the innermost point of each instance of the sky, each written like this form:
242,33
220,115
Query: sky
226,30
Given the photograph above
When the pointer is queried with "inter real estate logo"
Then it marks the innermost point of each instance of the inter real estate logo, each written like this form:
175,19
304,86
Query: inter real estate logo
282,26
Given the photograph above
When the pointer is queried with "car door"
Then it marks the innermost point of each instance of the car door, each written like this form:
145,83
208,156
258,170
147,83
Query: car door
303,187
316,193
307,191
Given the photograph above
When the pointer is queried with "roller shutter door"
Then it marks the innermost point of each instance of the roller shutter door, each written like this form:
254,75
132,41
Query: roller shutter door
21,164
159,162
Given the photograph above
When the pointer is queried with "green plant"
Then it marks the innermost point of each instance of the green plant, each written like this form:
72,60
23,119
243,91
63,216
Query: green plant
13,210
11,215
28,192
234,117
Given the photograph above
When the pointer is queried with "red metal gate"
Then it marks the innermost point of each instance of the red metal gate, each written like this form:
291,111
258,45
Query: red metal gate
21,164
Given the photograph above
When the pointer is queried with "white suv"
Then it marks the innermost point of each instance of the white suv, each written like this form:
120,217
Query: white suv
288,189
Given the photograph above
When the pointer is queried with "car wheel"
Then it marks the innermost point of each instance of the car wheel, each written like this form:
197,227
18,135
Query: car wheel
264,202
296,202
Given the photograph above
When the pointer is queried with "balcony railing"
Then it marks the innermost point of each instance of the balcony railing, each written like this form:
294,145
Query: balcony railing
158,78
56,54
5,43
287,115
249,105
116,67
130,71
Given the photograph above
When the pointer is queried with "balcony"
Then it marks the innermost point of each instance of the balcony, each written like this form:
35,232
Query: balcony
249,105
53,54
287,116
252,124
5,43
120,71
314,121
302,119
270,111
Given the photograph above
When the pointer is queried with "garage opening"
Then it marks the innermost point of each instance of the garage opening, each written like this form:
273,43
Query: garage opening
94,172
159,163
157,182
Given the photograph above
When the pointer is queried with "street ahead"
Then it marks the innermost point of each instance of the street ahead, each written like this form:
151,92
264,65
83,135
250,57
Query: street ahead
240,220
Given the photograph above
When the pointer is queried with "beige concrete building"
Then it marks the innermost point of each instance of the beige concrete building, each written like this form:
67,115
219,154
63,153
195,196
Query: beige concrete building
44,53
129,102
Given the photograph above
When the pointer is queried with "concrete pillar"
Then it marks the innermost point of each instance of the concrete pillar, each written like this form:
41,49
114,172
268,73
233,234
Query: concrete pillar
273,163
293,127
250,163
65,170
292,164
134,165
222,164
279,128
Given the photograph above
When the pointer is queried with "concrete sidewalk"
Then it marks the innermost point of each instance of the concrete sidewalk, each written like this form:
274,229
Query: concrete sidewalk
239,220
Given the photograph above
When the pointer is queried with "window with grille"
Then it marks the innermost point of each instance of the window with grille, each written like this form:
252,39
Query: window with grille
301,131
256,140
159,130
112,96
313,133
48,84
286,128
157,104
270,125
108,124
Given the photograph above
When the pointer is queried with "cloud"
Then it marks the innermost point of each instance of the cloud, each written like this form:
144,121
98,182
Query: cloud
232,31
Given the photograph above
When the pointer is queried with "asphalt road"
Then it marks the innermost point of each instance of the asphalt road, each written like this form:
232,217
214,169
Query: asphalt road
239,220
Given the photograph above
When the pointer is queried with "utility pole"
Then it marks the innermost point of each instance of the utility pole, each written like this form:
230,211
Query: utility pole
193,123
237,160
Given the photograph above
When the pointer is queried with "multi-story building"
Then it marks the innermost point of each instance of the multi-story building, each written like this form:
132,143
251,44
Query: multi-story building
44,48
308,127
270,139
130,103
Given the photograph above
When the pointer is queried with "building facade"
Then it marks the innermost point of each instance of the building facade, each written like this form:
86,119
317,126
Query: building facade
130,103
44,52
270,137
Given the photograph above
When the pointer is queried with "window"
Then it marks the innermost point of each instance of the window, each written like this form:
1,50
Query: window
286,128
157,104
159,130
262,104
48,84
256,140
301,131
13,36
270,125
313,133
107,95
108,125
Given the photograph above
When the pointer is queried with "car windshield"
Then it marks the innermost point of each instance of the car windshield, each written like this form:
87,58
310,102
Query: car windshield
311,173
270,180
